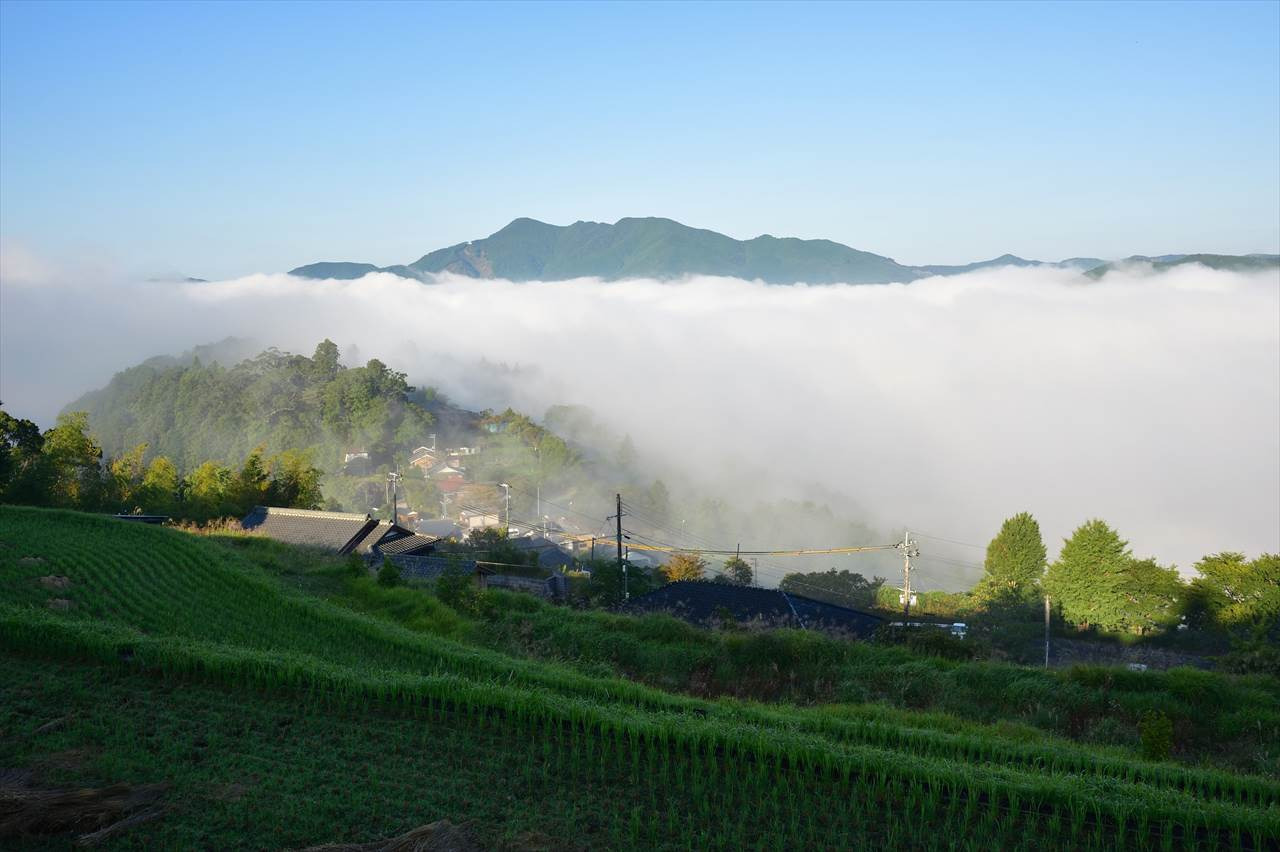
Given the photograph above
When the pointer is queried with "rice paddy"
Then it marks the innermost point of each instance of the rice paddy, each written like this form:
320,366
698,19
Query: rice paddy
390,728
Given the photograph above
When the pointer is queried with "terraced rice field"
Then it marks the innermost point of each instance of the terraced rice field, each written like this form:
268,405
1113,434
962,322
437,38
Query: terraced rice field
388,728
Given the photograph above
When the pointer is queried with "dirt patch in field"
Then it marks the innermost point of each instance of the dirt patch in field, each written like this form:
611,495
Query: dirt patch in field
54,581
441,836
28,561
60,604
95,814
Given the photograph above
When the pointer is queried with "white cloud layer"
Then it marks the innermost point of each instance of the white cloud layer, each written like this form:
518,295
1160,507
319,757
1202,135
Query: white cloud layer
1152,402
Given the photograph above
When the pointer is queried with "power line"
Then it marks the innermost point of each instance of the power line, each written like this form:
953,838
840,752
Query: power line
826,551
951,541
960,563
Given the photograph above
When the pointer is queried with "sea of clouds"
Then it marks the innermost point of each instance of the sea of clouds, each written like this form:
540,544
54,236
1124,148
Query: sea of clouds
1151,401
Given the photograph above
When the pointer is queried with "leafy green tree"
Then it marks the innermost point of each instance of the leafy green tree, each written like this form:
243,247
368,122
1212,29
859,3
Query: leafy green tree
295,481
251,485
684,566
324,362
126,472
1235,596
605,588
1015,563
842,588
208,492
160,484
1097,582
738,571
1083,581
1152,597
76,461
21,467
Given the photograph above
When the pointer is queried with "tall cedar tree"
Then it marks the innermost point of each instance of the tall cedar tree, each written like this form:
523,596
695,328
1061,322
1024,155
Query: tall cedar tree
1015,562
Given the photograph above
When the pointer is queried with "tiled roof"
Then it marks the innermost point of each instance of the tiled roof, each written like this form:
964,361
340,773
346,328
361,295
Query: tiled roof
339,532
441,528
376,532
549,553
703,602
406,545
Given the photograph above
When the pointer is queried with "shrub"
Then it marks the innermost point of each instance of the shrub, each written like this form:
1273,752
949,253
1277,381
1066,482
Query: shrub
933,642
355,567
1156,732
459,590
1110,731
1253,658
724,618
388,574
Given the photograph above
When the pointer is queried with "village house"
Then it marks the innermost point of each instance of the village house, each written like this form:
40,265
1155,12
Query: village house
355,462
336,532
478,519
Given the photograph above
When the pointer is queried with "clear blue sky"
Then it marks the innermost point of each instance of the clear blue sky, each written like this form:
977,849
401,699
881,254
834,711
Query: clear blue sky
220,139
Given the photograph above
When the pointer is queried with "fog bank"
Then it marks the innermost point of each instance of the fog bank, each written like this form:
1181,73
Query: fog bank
1152,402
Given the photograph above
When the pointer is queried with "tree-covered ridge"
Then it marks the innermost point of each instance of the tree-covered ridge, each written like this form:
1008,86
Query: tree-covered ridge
191,412
649,247
654,247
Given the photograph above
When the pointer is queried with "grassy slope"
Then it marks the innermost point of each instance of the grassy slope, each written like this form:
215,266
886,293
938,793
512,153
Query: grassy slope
204,616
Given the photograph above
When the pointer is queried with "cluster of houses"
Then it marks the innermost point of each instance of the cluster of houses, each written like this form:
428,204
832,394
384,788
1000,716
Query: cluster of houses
702,603
413,548
447,468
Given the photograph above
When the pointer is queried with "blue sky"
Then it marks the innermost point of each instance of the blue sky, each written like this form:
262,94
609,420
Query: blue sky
221,139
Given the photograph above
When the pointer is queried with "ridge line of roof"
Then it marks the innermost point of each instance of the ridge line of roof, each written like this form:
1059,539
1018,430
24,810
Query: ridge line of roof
313,513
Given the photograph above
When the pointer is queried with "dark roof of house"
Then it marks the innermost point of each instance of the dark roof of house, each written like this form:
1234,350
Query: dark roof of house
375,534
549,553
702,602
339,532
393,543
440,528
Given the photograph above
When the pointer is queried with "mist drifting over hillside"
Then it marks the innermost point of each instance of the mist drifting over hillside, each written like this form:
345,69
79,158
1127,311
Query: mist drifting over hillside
1152,401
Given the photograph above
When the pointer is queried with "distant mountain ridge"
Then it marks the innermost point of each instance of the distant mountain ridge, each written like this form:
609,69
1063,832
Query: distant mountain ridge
529,250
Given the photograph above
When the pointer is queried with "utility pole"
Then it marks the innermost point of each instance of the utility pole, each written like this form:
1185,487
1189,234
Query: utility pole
622,562
1046,631
908,551
507,488
394,479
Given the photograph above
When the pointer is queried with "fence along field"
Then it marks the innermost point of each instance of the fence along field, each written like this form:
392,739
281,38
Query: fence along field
158,603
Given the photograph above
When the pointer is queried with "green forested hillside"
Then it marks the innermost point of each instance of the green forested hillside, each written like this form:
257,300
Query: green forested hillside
528,250
193,411
239,673
1229,262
